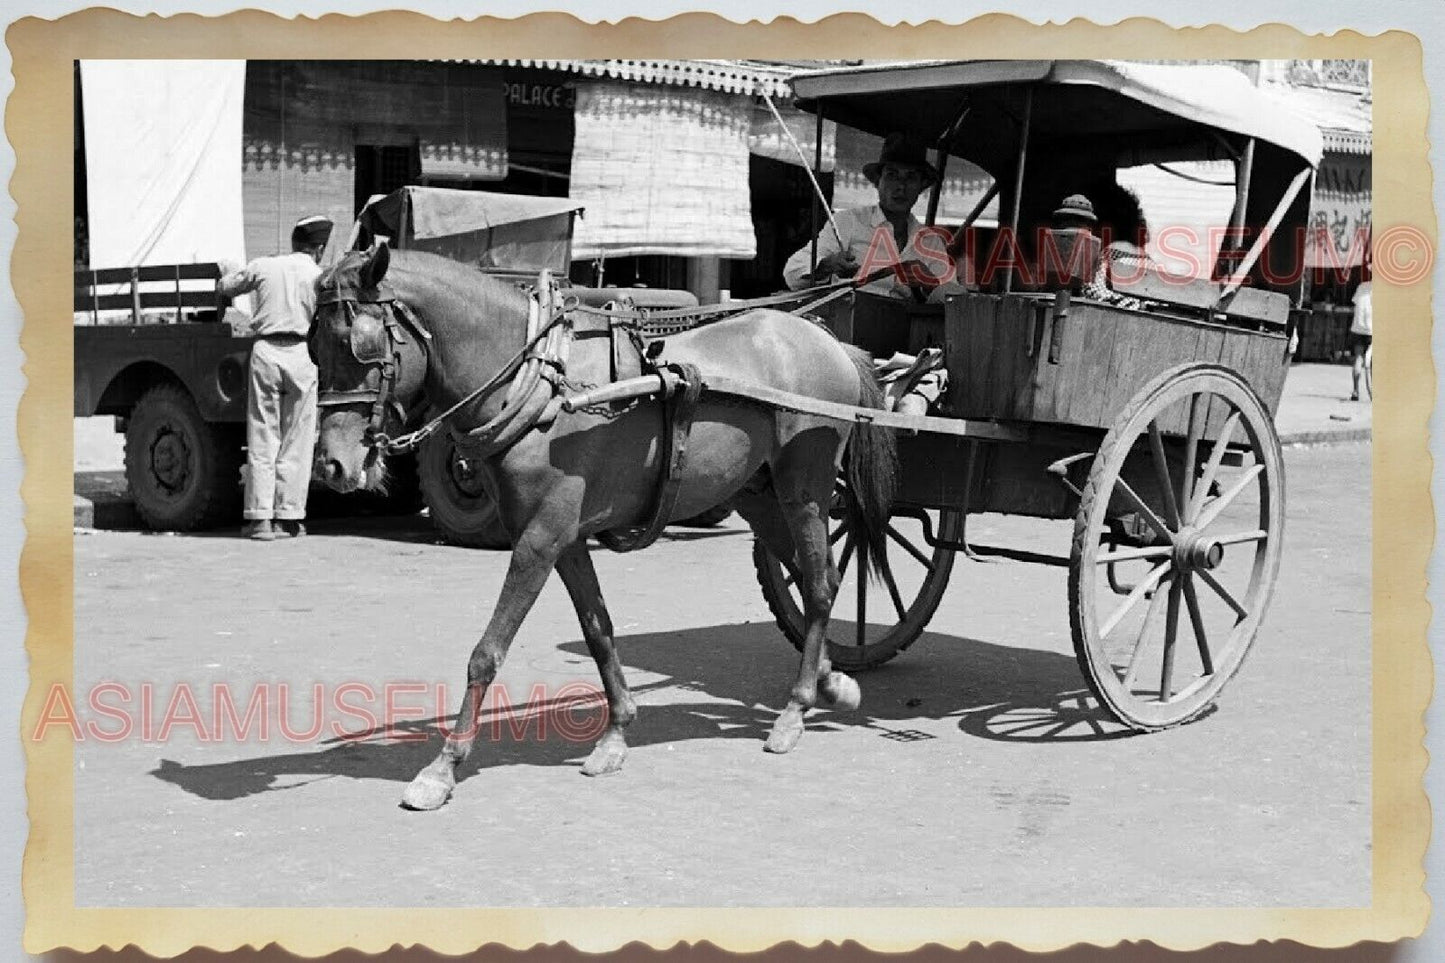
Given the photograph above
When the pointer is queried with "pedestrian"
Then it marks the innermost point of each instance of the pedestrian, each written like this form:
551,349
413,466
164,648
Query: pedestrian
1362,334
281,392
901,173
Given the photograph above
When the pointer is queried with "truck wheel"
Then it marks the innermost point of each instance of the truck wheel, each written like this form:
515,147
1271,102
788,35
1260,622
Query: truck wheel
184,472
461,509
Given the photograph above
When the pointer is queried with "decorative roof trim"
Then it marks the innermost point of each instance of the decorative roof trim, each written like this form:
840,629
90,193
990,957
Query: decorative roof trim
1348,141
730,76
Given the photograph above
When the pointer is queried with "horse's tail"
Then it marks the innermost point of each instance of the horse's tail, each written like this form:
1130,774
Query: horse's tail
872,471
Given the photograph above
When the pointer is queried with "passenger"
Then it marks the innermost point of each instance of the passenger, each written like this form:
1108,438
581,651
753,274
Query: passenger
1077,211
870,234
1125,232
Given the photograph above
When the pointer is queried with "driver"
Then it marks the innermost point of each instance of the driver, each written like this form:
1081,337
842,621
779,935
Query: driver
877,235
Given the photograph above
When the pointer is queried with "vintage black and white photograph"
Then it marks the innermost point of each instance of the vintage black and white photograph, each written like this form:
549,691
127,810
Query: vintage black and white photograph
514,483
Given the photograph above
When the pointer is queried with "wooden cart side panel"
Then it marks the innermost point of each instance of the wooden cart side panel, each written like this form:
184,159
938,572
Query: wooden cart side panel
987,356
1107,355
1262,361
1077,387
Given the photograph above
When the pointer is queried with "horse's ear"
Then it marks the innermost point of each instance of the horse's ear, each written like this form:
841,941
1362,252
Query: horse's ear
375,267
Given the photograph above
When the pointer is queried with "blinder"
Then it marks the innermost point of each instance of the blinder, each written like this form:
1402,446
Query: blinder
373,340
370,343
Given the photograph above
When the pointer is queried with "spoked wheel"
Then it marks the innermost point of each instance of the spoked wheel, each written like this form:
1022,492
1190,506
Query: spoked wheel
874,620
1176,545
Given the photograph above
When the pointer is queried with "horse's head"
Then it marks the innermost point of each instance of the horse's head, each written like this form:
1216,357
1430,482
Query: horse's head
371,363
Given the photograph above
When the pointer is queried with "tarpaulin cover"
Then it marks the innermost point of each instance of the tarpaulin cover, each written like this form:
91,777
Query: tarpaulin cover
512,231
162,146
662,170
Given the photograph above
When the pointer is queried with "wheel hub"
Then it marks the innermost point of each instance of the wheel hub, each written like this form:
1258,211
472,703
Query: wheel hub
170,460
466,475
1193,550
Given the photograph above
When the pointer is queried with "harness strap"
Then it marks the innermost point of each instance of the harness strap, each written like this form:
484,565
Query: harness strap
719,310
677,415
503,376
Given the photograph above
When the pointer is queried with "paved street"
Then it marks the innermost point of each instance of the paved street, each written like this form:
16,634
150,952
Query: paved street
944,789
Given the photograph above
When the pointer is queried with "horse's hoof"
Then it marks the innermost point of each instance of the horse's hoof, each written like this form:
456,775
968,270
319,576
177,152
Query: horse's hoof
606,757
787,730
841,691
426,792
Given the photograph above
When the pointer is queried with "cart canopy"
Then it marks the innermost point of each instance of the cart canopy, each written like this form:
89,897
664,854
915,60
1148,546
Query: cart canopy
506,231
1157,111
1088,120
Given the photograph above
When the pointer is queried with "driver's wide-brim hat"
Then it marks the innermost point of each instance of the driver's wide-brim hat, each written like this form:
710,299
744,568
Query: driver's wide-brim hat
904,151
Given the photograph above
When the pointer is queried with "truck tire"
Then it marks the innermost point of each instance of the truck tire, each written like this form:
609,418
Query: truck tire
462,511
184,472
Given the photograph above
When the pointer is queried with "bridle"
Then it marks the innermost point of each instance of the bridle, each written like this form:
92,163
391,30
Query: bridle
375,341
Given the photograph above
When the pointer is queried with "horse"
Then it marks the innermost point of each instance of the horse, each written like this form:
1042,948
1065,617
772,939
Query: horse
394,329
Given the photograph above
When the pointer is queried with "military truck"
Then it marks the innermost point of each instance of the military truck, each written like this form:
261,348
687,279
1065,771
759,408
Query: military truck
153,349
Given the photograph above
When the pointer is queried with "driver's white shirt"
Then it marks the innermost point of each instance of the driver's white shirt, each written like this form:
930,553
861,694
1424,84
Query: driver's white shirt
858,226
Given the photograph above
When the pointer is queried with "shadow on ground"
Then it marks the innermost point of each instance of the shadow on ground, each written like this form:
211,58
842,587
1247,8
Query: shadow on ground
985,690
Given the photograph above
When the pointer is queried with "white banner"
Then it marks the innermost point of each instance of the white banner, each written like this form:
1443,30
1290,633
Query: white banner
163,160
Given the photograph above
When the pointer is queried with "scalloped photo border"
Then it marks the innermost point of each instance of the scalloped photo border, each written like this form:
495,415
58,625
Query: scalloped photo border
38,123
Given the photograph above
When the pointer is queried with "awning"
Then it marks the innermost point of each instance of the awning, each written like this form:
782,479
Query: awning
661,171
1345,118
161,142
727,76
766,138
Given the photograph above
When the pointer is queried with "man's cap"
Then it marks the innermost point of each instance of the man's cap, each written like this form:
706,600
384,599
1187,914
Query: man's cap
904,151
313,231
1079,207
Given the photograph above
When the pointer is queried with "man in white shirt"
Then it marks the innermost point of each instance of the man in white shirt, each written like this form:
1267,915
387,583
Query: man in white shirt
876,236
281,393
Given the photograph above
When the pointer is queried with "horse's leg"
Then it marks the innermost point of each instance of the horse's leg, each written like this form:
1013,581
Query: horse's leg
532,561
762,511
575,567
803,482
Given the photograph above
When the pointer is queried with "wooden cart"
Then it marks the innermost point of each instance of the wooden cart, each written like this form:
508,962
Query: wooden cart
1149,422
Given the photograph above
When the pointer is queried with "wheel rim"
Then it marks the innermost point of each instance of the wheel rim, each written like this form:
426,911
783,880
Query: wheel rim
1177,547
895,606
170,460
